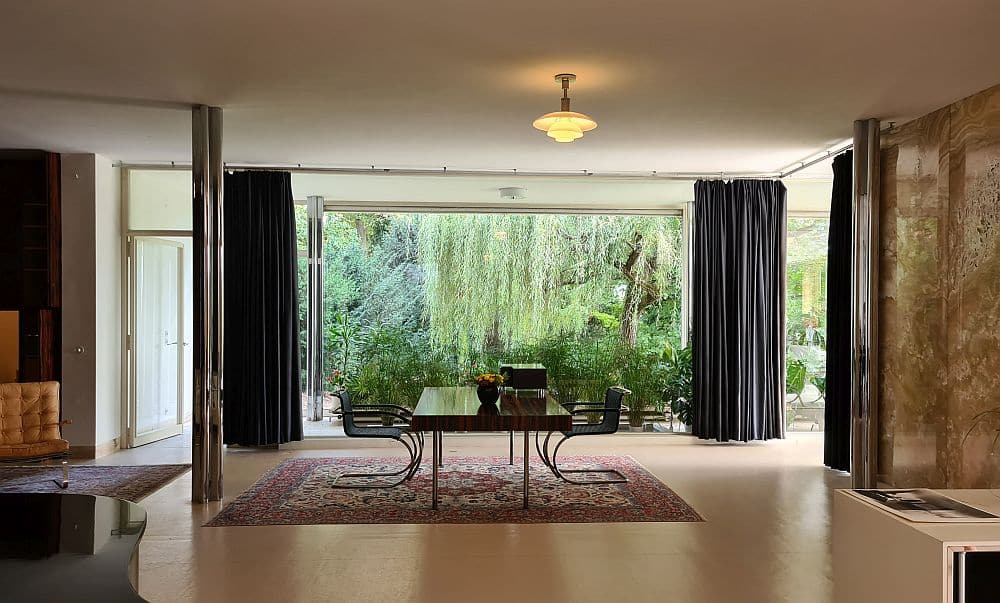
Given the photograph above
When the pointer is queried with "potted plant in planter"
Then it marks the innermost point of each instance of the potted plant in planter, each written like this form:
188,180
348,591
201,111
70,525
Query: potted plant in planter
643,374
636,414
394,370
678,390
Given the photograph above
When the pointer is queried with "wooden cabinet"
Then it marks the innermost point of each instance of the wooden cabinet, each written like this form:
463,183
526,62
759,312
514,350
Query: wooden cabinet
30,257
39,352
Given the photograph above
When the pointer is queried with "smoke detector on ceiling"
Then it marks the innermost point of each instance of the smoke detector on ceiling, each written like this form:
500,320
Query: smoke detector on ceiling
513,192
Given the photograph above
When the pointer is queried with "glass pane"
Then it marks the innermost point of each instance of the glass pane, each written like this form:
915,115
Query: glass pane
805,306
159,200
157,337
413,300
302,244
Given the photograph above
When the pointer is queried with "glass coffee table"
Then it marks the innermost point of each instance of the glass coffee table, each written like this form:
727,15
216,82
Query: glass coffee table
69,547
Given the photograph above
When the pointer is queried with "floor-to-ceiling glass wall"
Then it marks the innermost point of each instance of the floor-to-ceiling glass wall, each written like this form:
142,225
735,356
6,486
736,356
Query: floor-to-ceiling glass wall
310,428
404,258
413,299
805,312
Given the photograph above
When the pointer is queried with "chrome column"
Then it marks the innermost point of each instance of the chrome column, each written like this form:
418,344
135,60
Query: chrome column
206,194
202,235
314,312
864,308
215,177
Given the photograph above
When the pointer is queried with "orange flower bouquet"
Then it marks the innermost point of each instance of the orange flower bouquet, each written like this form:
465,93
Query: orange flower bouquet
491,379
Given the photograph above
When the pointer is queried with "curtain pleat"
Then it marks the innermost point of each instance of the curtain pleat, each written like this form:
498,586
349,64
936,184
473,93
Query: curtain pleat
837,439
262,404
738,292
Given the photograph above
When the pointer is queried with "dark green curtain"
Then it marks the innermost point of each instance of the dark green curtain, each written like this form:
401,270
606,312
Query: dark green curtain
837,439
738,309
262,404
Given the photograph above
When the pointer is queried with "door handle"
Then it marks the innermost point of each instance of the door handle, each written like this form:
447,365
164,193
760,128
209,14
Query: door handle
184,343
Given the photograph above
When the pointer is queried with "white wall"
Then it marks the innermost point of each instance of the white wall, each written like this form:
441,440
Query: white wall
91,305
79,299
807,195
159,199
108,276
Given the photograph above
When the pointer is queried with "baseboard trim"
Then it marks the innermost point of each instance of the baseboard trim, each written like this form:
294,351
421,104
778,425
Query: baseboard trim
93,452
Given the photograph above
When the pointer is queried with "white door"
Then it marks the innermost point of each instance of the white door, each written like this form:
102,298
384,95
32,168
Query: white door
156,339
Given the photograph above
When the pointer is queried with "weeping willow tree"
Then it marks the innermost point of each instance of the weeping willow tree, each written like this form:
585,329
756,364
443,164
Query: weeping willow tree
495,279
650,256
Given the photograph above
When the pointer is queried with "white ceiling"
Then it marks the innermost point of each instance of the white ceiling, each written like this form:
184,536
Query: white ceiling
709,86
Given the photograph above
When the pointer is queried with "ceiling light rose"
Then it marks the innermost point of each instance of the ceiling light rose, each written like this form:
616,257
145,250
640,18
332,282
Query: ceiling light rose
565,125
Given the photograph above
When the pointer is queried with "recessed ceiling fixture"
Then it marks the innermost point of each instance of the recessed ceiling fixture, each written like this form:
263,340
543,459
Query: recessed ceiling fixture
565,125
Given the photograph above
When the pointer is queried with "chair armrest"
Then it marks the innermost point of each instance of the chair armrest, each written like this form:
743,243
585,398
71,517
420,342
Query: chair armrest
603,411
575,404
376,413
58,423
401,409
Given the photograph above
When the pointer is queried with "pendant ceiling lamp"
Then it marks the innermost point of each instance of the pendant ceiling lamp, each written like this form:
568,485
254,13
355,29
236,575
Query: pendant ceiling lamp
565,125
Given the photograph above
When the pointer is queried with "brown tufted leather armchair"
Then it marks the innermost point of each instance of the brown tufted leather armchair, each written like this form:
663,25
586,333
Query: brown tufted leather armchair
30,424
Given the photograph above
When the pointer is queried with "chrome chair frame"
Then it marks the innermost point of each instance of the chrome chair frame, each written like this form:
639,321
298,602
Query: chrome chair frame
610,417
29,462
413,442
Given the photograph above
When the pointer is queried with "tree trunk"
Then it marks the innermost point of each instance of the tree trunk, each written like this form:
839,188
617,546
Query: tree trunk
642,290
630,310
362,231
630,315
492,340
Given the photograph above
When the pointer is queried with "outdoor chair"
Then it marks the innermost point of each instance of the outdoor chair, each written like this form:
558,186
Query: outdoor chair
611,412
413,442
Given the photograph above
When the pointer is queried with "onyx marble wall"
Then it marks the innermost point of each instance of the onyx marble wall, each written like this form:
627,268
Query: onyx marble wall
939,312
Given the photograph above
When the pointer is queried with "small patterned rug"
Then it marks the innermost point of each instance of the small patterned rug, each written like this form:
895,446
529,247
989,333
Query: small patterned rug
125,482
471,490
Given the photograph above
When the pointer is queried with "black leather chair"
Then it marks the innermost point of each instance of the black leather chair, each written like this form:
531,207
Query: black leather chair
611,411
413,442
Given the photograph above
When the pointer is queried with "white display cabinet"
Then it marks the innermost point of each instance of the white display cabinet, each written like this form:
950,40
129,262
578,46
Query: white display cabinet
880,557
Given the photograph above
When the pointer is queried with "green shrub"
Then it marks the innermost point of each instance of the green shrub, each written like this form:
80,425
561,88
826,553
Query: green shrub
678,389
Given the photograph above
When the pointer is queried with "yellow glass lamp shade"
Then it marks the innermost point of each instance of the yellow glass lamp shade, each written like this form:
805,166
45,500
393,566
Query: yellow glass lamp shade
564,126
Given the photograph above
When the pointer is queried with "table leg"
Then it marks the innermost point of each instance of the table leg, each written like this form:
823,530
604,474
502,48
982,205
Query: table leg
435,437
511,448
527,457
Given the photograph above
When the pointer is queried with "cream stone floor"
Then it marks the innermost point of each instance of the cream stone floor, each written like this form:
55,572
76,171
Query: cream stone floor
766,537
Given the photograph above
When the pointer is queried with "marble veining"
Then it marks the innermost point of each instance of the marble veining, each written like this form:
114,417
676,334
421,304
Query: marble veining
939,311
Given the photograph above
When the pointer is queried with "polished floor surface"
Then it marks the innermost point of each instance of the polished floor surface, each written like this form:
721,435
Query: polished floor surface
766,537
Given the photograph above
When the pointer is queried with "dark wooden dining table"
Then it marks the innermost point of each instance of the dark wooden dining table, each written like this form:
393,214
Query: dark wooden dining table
443,409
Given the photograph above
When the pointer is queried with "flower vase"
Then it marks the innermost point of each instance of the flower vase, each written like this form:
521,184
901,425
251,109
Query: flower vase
488,394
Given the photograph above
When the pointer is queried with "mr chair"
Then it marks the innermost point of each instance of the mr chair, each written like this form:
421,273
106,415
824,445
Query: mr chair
611,411
413,442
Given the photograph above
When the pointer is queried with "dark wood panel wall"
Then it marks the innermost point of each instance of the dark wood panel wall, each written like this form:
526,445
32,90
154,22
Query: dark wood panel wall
30,258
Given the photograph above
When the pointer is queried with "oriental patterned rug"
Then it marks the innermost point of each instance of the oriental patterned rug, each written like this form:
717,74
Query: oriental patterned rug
126,482
471,489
